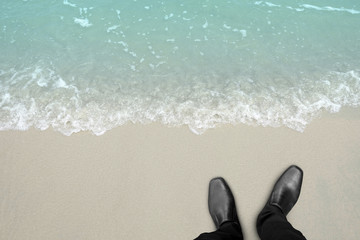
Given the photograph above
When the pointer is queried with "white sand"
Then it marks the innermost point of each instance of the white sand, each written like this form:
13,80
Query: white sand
150,182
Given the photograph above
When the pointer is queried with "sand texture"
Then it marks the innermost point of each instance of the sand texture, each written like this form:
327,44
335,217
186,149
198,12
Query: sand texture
150,182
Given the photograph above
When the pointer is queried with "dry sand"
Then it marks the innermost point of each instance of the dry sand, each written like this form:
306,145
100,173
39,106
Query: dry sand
150,182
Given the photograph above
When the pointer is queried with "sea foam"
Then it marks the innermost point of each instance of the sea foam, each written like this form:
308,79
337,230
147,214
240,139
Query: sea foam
84,22
49,101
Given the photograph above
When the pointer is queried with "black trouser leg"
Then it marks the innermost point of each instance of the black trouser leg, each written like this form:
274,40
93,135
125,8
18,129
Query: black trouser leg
227,231
273,225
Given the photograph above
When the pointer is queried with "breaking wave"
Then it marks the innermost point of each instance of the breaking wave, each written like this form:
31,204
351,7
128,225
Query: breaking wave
41,98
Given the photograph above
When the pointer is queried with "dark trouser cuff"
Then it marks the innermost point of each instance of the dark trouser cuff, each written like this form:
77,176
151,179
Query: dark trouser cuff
227,231
273,225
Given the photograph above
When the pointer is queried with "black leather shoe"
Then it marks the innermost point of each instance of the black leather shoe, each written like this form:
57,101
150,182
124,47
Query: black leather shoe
221,202
287,189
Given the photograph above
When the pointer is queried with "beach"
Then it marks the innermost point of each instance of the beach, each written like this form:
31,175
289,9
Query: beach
115,115
151,181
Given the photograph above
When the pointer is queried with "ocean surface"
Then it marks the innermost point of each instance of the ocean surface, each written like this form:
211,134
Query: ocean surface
81,65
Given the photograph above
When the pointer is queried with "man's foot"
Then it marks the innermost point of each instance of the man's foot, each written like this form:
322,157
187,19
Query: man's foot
287,189
221,202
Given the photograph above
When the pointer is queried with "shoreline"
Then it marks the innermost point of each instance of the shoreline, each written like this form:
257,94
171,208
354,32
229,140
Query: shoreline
137,181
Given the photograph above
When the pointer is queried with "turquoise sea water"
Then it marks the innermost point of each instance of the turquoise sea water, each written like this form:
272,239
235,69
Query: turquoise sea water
93,65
